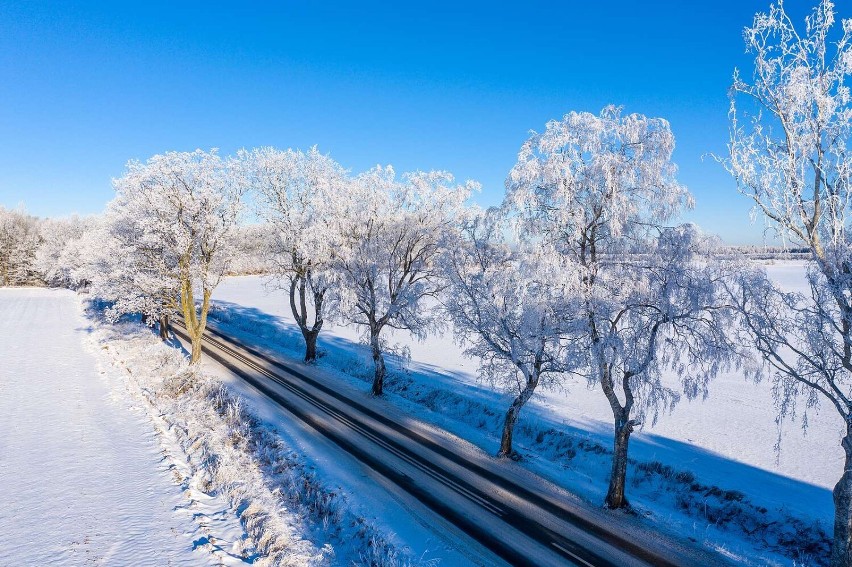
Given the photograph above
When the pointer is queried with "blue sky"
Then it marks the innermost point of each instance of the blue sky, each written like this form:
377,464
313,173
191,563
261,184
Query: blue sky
86,86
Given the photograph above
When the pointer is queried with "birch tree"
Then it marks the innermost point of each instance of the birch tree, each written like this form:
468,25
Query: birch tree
789,136
298,196
178,210
391,232
509,307
598,190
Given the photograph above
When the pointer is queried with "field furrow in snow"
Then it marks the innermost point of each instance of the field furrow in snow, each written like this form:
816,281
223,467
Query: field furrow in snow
82,477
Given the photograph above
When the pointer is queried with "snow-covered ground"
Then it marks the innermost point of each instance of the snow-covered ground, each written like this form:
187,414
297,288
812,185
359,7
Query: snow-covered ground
114,452
726,440
82,477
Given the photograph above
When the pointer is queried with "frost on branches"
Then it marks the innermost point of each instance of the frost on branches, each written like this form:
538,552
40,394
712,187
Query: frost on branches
300,195
391,234
19,239
790,130
62,257
169,228
597,190
508,307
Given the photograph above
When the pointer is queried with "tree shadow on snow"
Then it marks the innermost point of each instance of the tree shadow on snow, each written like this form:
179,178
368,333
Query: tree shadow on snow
575,454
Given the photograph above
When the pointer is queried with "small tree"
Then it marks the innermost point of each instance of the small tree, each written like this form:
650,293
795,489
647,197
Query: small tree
508,307
298,196
597,189
180,209
391,235
790,155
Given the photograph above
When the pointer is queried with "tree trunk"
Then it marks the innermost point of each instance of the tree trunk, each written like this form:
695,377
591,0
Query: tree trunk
310,344
615,495
164,327
195,355
195,322
512,415
379,361
841,551
300,314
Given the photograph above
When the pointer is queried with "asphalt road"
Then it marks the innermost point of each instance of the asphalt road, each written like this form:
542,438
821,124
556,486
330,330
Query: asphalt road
507,515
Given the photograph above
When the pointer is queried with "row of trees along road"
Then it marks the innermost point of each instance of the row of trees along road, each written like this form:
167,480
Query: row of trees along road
579,273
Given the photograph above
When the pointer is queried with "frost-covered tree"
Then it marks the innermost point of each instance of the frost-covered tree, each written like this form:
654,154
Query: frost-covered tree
598,190
391,234
61,256
508,308
19,239
250,247
299,196
172,220
128,268
789,152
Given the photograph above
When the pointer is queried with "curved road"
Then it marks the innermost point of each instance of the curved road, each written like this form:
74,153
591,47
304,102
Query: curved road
520,524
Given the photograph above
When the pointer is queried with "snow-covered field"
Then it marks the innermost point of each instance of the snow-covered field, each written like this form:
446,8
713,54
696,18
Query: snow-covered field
82,477
726,440
87,476
114,452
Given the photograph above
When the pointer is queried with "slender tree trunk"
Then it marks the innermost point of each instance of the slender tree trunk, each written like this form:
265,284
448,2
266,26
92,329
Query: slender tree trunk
513,413
841,552
195,355
195,322
379,361
300,314
615,494
164,327
310,344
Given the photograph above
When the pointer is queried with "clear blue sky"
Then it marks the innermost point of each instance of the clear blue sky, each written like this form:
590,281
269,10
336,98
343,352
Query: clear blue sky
86,86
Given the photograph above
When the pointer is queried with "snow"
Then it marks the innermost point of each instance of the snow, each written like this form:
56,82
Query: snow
737,420
81,469
726,440
411,528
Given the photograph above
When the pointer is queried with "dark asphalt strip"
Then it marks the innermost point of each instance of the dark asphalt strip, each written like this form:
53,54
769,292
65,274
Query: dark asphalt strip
557,543
612,538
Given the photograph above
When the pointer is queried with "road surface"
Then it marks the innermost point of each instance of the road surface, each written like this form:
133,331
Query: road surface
519,522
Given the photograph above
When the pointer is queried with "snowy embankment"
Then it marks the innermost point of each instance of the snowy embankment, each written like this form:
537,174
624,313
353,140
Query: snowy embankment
82,475
708,470
115,453
220,449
